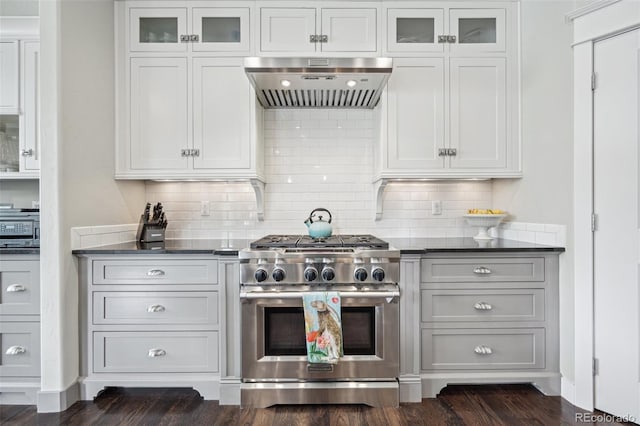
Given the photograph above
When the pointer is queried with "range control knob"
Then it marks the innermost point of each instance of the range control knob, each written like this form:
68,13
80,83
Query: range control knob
360,274
261,275
378,274
278,274
328,273
310,273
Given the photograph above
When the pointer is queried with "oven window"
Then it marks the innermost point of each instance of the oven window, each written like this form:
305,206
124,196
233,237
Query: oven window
284,331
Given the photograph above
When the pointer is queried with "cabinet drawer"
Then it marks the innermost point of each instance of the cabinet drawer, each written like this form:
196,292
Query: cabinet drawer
155,352
482,269
486,349
482,305
155,308
20,286
155,271
20,349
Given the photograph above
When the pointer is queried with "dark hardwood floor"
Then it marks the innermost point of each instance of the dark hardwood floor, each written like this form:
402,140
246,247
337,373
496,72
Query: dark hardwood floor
457,405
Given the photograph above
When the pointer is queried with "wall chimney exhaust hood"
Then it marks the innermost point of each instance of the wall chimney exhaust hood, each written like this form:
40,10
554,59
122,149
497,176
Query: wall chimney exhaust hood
318,82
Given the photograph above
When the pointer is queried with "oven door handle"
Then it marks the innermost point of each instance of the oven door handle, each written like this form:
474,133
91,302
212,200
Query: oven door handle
390,296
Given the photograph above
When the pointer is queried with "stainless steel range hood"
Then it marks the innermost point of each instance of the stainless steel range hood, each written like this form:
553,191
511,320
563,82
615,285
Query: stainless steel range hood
318,82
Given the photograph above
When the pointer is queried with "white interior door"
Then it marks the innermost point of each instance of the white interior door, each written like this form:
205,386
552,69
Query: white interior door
616,252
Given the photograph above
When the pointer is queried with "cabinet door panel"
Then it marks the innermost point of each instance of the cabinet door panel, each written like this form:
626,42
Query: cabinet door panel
478,113
414,30
478,30
159,113
221,122
349,30
221,29
287,30
30,102
157,29
9,76
415,96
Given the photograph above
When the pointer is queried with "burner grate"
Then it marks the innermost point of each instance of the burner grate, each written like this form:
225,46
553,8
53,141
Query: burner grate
334,241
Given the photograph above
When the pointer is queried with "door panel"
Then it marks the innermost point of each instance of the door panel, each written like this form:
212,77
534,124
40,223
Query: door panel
30,102
415,96
478,113
287,30
159,115
616,254
9,76
221,29
349,30
157,29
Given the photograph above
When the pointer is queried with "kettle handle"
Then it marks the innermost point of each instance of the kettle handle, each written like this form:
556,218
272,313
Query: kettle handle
320,209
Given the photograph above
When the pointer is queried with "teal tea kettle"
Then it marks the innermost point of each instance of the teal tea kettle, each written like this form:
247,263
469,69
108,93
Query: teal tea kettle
318,228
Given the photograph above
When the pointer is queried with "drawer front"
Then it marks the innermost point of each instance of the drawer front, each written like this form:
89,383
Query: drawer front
20,287
155,307
482,305
482,269
155,271
20,349
155,352
483,349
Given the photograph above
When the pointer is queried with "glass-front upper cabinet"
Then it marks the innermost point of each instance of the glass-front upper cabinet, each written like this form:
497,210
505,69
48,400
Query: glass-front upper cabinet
221,29
158,29
9,143
414,30
477,30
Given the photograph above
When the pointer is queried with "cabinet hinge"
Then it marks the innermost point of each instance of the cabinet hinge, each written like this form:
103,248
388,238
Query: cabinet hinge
593,81
596,366
594,222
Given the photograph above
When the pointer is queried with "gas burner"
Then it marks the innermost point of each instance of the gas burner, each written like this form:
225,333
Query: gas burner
305,241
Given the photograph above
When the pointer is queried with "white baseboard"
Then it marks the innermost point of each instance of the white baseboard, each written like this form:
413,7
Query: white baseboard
230,391
410,388
56,401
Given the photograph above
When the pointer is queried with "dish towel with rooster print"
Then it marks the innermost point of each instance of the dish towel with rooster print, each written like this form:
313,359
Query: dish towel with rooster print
323,326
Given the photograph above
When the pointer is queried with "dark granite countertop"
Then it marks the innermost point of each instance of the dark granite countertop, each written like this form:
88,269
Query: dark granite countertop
191,246
231,247
19,250
443,245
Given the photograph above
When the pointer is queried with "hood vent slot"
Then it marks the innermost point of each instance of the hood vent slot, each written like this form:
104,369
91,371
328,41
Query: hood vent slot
309,83
343,98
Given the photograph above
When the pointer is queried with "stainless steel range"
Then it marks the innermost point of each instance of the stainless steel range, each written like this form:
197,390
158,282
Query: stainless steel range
275,272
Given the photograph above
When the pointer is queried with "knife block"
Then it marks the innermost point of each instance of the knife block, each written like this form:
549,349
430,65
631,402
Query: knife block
149,233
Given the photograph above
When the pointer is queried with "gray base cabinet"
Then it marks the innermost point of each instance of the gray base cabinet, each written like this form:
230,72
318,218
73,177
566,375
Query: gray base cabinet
152,321
489,318
19,329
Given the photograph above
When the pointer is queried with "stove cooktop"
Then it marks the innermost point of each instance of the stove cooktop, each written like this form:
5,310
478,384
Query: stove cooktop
305,241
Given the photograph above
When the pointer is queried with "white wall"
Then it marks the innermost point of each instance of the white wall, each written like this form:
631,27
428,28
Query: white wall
19,192
19,8
78,164
544,194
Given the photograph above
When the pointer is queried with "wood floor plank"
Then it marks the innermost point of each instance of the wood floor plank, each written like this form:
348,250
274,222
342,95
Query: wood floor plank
510,405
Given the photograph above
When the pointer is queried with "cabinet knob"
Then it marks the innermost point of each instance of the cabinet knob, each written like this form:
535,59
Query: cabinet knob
451,39
194,37
442,39
16,350
155,273
481,270
16,288
483,306
324,38
483,350
156,308
184,37
27,152
154,353
313,38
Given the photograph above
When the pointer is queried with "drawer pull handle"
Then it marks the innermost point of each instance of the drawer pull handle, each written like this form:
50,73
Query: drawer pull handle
16,288
483,350
16,350
481,270
155,273
156,308
153,353
483,306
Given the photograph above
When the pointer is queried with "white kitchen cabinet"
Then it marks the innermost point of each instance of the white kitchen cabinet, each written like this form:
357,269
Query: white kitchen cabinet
304,30
19,98
181,27
458,28
9,76
19,329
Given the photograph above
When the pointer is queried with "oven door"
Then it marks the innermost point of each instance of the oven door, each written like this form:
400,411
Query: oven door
274,347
